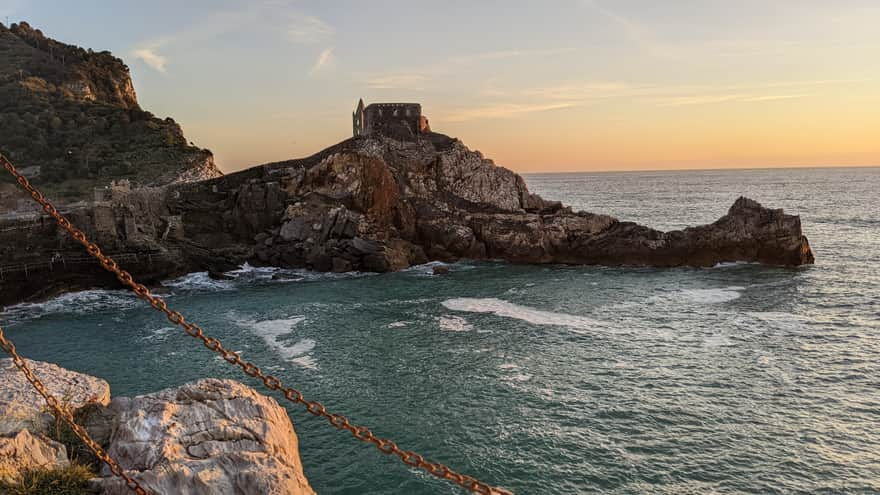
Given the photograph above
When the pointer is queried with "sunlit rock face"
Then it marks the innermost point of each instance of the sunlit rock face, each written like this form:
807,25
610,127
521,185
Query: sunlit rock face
206,437
22,407
24,451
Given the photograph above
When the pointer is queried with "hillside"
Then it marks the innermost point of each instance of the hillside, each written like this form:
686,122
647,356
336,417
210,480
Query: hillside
70,118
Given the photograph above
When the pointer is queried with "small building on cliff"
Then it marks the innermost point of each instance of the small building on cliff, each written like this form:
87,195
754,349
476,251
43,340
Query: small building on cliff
395,120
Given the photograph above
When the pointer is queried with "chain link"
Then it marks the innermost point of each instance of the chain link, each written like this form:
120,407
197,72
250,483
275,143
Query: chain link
271,382
65,415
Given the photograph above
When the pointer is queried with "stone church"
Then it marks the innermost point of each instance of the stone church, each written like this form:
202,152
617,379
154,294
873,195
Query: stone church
403,121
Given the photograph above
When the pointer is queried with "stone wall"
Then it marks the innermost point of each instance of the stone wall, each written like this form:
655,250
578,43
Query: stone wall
394,120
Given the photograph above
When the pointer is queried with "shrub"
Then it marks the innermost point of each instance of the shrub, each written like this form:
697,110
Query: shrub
73,480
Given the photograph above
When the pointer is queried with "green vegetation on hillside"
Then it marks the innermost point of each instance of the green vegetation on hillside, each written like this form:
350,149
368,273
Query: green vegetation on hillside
70,116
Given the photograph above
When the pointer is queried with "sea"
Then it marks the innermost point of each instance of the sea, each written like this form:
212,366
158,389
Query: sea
739,378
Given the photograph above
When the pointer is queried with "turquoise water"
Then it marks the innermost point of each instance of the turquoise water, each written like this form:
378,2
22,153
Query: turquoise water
552,379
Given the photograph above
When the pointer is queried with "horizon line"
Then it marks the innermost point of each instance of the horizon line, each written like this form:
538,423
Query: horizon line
706,169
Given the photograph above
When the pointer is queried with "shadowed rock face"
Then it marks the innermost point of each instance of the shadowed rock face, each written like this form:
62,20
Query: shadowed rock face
373,204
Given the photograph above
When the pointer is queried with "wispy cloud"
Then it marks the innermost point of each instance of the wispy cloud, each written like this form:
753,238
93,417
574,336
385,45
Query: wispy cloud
502,110
512,102
306,29
507,54
152,59
418,78
728,98
399,80
295,28
325,60
632,31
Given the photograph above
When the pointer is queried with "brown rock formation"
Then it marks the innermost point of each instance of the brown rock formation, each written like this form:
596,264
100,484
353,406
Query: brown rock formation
374,204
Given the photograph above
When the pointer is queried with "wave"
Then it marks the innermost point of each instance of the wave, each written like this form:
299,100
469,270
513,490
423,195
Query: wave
734,264
82,302
272,331
248,272
160,334
198,281
427,269
506,309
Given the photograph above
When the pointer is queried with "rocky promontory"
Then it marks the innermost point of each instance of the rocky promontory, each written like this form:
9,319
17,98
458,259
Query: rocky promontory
206,437
371,204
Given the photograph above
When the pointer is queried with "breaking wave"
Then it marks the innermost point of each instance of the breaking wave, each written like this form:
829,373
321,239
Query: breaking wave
82,302
198,281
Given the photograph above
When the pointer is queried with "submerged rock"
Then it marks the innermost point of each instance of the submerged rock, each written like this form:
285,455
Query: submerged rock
369,204
207,437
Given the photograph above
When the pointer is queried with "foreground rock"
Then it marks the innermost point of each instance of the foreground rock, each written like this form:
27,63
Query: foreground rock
24,452
372,204
21,407
206,437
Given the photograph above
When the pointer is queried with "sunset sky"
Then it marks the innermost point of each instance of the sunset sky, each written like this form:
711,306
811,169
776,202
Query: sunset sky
537,86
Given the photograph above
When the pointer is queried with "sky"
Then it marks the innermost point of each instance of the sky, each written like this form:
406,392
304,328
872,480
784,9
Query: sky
538,86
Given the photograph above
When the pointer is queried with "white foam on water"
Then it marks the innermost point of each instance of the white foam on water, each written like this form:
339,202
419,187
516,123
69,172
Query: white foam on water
518,377
272,331
159,334
778,320
507,366
506,309
454,323
198,281
701,296
397,324
305,362
427,269
82,302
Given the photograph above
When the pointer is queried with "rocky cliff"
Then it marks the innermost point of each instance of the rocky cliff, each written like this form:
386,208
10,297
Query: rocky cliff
70,117
203,438
373,204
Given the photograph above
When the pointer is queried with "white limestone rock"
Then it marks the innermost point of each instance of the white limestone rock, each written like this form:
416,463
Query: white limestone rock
207,437
21,407
25,451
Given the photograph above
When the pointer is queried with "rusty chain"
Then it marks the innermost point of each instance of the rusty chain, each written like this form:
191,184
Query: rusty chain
271,382
65,415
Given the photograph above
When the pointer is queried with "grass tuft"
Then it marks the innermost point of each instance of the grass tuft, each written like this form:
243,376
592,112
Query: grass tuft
73,480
